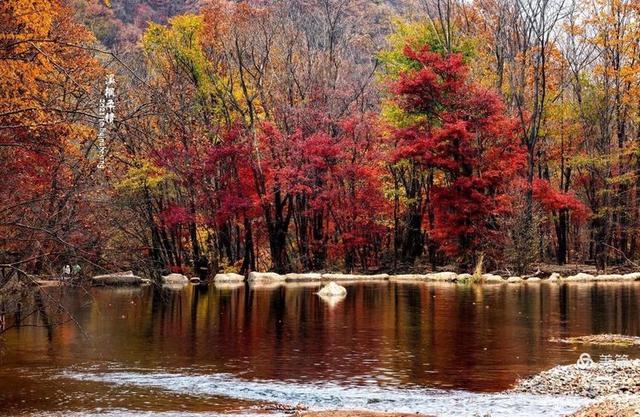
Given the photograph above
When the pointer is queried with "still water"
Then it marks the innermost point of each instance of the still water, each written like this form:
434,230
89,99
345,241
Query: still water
443,349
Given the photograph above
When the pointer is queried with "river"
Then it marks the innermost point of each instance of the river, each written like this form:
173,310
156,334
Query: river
442,349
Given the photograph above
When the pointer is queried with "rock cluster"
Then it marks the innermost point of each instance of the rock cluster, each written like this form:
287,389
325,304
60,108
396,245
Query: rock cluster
595,380
582,277
272,278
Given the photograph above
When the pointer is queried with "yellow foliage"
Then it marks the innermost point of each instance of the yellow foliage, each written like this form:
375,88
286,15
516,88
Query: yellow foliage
179,45
146,175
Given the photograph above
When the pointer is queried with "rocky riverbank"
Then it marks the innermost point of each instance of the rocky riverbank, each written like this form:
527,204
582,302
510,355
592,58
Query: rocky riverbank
444,276
617,375
614,380
256,278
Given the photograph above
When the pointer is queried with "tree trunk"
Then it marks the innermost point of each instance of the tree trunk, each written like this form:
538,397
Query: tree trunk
412,241
249,261
562,228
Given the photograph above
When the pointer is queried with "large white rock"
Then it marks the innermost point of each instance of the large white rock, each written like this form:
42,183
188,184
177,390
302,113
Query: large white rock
533,280
266,277
442,276
228,277
339,277
493,279
221,285
408,277
580,277
117,278
464,278
633,276
554,277
609,277
175,279
514,280
353,277
374,277
311,276
332,290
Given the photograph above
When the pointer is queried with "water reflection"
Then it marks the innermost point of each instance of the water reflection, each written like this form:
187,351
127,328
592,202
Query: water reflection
478,338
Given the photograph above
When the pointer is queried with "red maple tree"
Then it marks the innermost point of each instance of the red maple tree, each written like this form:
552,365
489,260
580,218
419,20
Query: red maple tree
463,134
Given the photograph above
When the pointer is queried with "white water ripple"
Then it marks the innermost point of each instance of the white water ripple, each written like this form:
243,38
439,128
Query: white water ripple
326,395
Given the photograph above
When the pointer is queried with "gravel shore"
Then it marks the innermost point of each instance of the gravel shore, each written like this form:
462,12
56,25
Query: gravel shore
594,379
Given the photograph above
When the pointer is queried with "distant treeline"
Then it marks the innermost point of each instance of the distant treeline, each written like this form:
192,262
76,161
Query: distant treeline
320,134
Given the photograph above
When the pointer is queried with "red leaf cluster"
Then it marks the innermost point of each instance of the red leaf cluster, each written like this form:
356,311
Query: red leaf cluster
465,136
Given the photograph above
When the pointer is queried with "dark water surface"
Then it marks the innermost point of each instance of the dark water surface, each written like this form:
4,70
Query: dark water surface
439,348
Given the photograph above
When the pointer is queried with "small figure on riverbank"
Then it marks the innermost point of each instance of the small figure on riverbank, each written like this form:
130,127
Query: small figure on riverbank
66,272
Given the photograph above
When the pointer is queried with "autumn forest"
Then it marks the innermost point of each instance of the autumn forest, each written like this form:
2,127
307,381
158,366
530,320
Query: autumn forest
319,135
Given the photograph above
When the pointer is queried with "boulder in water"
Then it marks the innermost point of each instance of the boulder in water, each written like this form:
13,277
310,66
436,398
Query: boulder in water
265,277
464,278
491,278
354,277
609,277
311,276
554,277
442,276
228,277
580,277
332,290
633,276
175,279
408,277
339,277
117,278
